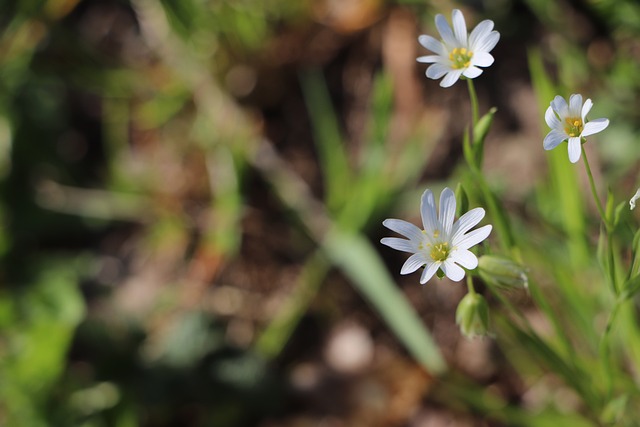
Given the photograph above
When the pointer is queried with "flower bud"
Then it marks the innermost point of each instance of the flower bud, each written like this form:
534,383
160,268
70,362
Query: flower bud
501,272
472,316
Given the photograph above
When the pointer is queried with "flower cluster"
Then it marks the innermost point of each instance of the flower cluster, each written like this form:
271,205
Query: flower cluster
442,246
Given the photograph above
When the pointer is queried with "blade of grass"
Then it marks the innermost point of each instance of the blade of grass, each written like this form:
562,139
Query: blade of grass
328,140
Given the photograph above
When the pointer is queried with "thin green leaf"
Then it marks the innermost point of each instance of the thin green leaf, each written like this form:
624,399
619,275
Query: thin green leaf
333,158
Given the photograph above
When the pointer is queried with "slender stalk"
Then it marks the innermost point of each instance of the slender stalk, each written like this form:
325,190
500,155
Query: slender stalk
612,264
470,287
474,105
594,191
607,225
501,221
605,341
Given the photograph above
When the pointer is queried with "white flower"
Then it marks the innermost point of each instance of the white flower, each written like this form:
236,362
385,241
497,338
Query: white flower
442,244
632,202
459,53
569,122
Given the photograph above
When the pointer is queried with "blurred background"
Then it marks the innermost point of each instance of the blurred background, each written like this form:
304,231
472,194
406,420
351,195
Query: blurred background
173,173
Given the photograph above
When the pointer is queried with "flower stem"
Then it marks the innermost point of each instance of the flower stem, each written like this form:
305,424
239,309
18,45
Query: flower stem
594,191
470,287
497,212
474,105
608,227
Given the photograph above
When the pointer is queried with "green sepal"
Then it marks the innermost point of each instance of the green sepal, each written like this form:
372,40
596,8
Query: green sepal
472,316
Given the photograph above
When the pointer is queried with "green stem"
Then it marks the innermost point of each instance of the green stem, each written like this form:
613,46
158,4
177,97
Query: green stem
612,264
607,225
498,214
594,191
474,105
470,287
605,342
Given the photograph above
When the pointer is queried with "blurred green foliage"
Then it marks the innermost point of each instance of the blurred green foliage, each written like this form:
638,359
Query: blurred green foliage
138,139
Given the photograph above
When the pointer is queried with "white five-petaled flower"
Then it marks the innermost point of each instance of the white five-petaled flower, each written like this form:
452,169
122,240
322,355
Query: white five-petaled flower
443,244
568,122
459,53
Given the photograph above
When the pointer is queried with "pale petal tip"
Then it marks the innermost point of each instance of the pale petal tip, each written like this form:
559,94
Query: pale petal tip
632,202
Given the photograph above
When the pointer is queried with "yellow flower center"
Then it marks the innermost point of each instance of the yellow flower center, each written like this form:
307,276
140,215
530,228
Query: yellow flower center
460,58
573,126
440,252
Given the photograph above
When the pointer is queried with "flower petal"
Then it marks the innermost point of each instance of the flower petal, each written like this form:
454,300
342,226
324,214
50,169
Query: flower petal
595,126
480,32
560,106
574,149
465,258
428,59
585,109
429,271
632,201
472,72
487,43
482,59
552,120
465,223
435,71
452,270
451,77
575,105
428,213
473,237
447,210
432,44
553,139
403,245
445,31
405,228
459,27
413,263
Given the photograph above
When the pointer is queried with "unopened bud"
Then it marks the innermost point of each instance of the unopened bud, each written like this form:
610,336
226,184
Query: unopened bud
502,272
472,316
